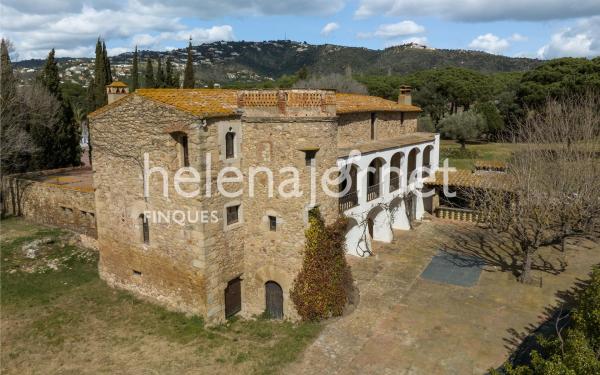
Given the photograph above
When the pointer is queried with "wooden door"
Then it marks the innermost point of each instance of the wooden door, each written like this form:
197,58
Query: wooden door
233,297
274,299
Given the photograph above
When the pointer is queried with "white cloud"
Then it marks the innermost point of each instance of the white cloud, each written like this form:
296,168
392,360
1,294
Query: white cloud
36,26
394,30
481,10
582,40
490,43
516,37
329,28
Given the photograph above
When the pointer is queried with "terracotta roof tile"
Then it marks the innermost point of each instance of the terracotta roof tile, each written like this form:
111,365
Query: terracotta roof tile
223,102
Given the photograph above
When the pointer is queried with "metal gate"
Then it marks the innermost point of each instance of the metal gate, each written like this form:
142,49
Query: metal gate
274,299
233,297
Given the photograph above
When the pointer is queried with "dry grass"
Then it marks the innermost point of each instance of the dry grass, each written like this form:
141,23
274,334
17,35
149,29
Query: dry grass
68,321
475,151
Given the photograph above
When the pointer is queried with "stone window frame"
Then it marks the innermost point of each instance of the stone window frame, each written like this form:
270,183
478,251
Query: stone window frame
240,222
373,126
183,149
144,225
229,127
266,224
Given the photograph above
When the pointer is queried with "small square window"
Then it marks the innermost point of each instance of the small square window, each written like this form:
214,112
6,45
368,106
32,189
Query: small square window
309,156
232,214
272,223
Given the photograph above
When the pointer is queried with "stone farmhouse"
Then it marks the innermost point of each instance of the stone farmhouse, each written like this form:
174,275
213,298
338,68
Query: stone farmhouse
244,257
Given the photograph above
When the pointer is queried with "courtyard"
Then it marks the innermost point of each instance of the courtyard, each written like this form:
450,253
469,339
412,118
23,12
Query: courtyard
405,323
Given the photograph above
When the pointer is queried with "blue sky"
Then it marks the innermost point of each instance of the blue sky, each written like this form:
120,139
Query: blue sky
533,28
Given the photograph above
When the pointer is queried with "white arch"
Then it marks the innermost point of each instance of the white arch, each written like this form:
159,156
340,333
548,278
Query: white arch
358,241
398,210
382,227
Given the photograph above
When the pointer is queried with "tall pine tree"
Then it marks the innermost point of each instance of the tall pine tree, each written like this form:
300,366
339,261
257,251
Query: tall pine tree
134,71
188,73
149,75
160,75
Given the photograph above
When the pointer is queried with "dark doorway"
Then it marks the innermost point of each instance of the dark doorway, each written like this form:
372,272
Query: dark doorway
370,225
274,299
233,297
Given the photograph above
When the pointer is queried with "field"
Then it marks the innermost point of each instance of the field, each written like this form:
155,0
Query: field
463,159
59,317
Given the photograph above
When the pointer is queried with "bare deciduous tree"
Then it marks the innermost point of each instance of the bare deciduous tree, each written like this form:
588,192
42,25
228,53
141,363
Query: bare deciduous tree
554,189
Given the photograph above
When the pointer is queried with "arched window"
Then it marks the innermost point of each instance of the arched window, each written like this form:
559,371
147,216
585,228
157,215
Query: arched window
145,228
230,145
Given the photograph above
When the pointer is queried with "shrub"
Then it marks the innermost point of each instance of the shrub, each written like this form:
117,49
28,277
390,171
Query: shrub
324,283
462,127
425,124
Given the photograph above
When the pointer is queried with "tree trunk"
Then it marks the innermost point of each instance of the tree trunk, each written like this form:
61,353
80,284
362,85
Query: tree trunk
463,144
525,277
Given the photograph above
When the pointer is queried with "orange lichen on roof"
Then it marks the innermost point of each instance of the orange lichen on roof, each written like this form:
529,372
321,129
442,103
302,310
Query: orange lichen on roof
348,103
462,178
118,84
200,102
492,165
223,102
107,107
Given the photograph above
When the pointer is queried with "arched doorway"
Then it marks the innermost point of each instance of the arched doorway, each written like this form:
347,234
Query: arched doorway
427,161
374,177
396,171
379,224
411,173
274,300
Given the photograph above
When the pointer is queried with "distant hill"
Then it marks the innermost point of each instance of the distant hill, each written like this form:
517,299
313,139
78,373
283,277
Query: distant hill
256,61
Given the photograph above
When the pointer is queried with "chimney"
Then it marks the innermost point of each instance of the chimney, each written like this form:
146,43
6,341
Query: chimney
404,97
116,90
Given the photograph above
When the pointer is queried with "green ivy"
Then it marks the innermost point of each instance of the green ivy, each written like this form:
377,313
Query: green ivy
322,288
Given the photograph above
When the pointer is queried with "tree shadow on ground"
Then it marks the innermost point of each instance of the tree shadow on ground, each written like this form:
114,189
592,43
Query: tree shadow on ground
497,252
554,318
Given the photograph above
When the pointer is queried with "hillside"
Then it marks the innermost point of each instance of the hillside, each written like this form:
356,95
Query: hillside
258,61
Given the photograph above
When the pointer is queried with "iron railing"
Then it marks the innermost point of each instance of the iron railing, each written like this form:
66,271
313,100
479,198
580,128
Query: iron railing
348,201
372,192
395,183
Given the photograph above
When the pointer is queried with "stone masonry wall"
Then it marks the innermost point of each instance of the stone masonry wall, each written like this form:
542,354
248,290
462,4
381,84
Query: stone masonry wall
170,269
355,128
277,255
49,204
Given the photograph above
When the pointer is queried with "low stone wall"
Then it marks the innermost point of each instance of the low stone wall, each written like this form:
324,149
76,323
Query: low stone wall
70,207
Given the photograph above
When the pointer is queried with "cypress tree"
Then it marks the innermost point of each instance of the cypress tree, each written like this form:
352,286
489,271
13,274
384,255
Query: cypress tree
99,97
149,75
49,76
107,70
134,71
160,75
188,73
169,81
8,85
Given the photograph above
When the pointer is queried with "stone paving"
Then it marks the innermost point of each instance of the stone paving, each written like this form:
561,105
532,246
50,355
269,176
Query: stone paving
407,325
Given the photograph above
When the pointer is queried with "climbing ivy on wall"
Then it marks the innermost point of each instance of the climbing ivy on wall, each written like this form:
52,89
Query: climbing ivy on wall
323,286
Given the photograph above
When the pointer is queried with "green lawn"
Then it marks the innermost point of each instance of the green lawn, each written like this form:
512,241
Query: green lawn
475,151
59,317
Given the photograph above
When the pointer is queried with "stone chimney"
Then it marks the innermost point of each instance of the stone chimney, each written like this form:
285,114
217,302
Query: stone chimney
116,90
405,97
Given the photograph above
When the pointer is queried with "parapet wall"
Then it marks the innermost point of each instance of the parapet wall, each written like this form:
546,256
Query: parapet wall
56,197
288,103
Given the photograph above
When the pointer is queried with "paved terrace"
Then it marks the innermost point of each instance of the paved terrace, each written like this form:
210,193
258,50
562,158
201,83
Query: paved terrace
404,324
